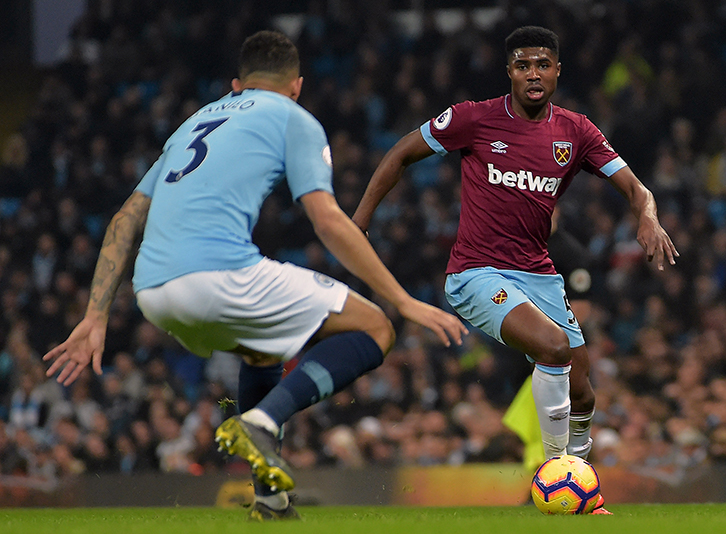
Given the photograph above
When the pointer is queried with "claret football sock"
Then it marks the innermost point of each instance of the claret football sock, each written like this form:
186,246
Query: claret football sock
328,367
551,392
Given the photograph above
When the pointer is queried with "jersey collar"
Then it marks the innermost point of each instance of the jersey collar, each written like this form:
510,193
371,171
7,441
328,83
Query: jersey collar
510,112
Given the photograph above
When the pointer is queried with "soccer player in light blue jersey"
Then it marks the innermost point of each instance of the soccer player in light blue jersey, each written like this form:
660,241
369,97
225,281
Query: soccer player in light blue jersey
199,277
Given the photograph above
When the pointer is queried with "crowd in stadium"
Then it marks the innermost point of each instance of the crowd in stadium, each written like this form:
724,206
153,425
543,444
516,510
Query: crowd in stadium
648,74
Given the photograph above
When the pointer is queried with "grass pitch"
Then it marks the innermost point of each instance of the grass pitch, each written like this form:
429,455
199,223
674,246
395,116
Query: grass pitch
635,518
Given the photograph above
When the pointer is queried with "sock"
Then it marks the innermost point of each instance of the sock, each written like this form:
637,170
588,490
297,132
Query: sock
254,383
259,418
580,440
328,367
551,392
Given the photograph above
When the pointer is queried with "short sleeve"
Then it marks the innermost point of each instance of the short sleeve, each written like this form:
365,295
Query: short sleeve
451,130
599,157
308,162
148,182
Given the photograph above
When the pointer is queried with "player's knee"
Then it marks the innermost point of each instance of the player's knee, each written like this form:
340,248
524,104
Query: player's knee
382,332
556,351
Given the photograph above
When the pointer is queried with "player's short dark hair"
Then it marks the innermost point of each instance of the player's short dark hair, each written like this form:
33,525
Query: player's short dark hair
269,52
532,37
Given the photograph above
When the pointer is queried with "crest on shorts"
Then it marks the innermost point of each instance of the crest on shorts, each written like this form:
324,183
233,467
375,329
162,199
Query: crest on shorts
562,151
500,297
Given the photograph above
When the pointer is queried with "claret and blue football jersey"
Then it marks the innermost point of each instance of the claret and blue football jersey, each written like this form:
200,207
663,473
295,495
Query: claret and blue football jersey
512,173
216,170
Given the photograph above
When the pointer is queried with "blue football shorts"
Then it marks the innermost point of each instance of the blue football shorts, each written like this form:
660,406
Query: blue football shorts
485,295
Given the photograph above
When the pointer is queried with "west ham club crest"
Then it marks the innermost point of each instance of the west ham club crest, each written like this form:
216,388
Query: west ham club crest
500,297
562,151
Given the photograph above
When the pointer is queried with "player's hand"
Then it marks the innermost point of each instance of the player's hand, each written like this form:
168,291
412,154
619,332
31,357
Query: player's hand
83,346
656,242
444,325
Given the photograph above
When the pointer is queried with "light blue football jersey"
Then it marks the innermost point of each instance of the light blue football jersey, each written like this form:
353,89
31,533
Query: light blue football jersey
215,172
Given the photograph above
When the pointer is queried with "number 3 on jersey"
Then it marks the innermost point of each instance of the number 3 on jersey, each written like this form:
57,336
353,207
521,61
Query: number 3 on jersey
200,148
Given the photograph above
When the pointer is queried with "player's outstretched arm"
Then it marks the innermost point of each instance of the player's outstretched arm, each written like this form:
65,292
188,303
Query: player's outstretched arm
651,235
409,149
87,341
348,244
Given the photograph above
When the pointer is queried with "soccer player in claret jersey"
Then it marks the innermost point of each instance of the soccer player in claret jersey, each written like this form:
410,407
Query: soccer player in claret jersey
519,153
199,277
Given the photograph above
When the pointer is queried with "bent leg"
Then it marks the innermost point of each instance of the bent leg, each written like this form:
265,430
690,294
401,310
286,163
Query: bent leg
359,314
348,344
528,329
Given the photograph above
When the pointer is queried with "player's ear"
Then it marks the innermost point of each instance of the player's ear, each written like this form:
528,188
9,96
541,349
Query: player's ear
559,68
296,88
237,85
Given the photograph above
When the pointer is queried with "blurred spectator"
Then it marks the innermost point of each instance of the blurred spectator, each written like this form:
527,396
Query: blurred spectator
144,444
117,406
130,377
204,457
339,444
14,182
10,459
25,405
174,450
96,455
45,261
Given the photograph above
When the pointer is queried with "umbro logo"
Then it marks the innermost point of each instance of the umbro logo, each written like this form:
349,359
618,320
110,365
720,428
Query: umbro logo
499,147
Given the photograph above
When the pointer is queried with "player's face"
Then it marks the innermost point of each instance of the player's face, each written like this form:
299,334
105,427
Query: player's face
534,72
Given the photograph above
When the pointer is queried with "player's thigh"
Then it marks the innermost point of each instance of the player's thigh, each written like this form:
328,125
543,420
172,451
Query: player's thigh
484,297
359,314
529,330
508,305
552,312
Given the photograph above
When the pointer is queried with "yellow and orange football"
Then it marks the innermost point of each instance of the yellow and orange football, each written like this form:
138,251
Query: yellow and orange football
565,485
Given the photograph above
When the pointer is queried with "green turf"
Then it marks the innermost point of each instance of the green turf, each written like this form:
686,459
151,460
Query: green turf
640,519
